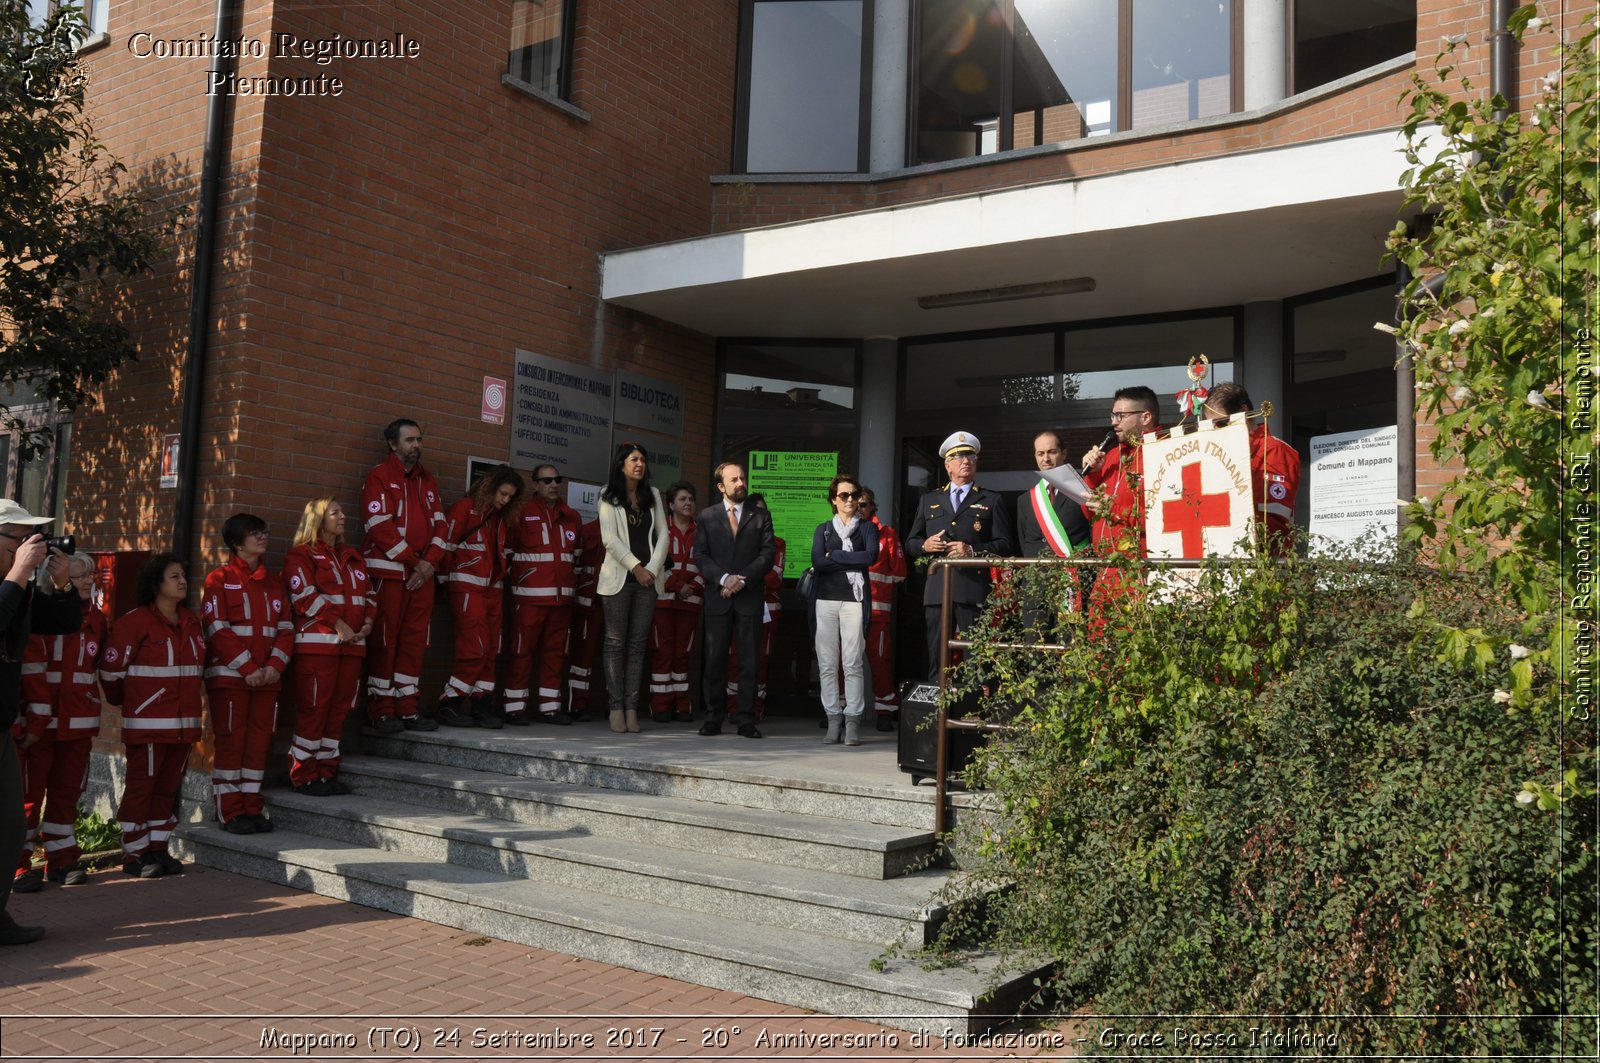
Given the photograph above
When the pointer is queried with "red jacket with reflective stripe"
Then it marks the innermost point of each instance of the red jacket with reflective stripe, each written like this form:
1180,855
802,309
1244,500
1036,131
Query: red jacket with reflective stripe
586,566
683,573
544,554
60,691
404,520
478,554
888,570
327,583
152,670
246,614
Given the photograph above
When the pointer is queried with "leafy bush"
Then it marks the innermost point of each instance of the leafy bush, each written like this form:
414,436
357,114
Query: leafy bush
1274,796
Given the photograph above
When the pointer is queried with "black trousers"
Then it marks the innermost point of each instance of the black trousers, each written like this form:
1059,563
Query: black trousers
13,823
965,614
720,629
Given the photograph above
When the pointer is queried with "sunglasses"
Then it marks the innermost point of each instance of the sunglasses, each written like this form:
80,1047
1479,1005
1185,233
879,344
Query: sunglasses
550,479
847,496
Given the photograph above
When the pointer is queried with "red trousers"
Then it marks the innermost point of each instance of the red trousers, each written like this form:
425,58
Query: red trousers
588,631
671,642
395,648
539,635
880,663
476,611
325,686
150,797
242,722
769,631
54,772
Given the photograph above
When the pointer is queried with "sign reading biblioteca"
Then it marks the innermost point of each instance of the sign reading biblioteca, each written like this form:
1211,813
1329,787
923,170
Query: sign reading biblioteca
795,484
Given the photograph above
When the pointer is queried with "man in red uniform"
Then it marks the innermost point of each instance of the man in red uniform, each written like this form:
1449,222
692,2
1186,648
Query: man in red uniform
544,548
62,704
883,578
404,544
1117,476
588,628
1274,469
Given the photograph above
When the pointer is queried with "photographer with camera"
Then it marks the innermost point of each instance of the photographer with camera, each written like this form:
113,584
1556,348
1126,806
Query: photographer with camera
24,610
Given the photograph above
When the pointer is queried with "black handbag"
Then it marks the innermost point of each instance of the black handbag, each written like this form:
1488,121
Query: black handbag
807,587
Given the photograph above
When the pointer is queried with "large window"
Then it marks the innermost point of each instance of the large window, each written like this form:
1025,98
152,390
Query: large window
805,91
93,11
993,75
541,46
1332,40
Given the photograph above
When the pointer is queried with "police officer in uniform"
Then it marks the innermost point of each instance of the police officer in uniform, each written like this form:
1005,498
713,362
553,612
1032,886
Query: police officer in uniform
958,520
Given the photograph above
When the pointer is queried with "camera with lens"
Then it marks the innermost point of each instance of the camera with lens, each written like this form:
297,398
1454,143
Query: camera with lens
65,543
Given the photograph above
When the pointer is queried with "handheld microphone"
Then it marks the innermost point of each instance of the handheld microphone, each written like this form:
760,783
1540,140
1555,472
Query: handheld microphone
1111,437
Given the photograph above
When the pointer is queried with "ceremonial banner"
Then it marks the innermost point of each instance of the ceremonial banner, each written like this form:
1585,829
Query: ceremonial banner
1197,491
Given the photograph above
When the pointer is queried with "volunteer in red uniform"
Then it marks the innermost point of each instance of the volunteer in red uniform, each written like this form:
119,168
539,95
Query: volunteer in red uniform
151,669
330,598
475,573
772,609
61,701
678,602
1117,475
544,548
588,626
883,580
404,545
1274,469
249,638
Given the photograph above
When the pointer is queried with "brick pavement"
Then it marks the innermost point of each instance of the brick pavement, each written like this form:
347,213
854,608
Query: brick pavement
213,966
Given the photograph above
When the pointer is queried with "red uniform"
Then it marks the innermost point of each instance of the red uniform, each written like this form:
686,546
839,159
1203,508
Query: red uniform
1274,485
672,627
475,579
152,669
543,578
588,629
61,701
247,625
769,630
326,584
1119,528
404,525
885,575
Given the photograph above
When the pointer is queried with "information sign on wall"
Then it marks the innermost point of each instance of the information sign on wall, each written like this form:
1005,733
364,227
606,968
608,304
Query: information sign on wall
649,405
561,414
1353,485
795,484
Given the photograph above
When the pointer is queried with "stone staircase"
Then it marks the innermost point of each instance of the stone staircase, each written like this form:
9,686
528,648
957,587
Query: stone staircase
780,869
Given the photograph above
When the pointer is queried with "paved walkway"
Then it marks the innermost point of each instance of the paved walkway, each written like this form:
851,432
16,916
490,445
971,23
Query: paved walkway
215,966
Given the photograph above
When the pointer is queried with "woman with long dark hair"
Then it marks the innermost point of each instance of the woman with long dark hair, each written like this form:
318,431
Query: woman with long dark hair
475,576
633,529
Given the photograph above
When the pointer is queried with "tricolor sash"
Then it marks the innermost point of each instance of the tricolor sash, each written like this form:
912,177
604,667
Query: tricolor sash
1050,521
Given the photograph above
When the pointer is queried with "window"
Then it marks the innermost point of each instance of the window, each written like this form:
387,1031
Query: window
804,86
541,46
994,75
94,13
1332,40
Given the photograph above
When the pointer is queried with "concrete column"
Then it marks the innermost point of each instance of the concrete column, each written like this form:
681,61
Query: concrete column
1266,50
880,389
1261,369
891,50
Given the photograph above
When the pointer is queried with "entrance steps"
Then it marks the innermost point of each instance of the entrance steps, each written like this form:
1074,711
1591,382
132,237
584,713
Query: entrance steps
781,869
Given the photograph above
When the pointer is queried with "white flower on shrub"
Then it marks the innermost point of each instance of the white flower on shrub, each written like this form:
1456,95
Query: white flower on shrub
1537,399
1526,797
1518,651
1535,24
1502,697
1458,327
1462,393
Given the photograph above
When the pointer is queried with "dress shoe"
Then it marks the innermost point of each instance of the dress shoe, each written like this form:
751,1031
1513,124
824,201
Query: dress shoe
263,824
708,729
750,730
885,722
451,715
518,719
388,725
421,723
170,864
558,718
67,876
29,881
240,825
12,934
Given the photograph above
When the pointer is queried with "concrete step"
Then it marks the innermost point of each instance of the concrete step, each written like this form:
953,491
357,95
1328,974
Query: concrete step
575,861
789,771
820,972
793,839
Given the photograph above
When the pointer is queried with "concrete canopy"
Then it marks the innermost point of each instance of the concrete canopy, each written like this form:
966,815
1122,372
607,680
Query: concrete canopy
1220,231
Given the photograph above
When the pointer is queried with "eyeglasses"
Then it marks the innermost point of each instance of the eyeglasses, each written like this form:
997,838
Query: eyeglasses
14,538
1116,416
847,496
550,479
962,457
262,533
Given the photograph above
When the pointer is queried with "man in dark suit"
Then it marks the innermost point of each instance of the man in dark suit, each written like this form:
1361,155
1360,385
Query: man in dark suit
1049,524
958,520
733,548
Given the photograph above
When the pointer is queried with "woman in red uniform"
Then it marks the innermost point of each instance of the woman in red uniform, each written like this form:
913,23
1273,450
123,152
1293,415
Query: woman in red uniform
62,704
330,596
249,638
677,612
151,669
475,575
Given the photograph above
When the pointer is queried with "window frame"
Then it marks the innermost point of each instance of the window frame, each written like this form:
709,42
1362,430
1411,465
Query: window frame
563,93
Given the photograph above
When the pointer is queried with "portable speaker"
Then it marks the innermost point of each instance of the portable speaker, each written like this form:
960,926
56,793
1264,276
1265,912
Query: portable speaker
917,748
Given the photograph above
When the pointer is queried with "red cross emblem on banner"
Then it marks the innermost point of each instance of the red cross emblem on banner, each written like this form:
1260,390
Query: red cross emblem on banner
1196,511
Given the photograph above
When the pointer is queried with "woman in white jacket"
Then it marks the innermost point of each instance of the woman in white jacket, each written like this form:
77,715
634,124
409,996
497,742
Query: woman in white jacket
633,528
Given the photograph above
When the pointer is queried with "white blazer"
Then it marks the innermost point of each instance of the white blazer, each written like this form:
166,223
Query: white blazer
619,560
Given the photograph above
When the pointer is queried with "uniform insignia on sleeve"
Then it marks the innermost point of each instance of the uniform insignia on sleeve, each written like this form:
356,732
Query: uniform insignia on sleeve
374,506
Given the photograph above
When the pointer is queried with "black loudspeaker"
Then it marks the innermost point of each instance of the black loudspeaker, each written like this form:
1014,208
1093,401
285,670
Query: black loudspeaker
917,742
